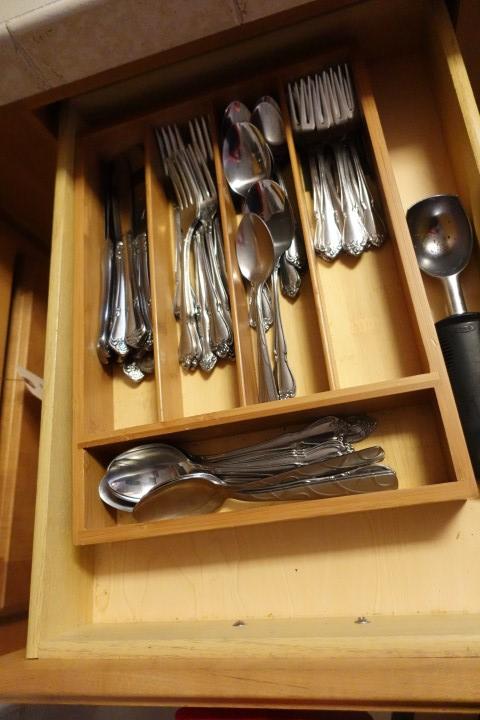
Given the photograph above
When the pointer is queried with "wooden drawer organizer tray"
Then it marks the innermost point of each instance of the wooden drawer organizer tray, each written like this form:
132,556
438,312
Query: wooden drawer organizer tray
360,336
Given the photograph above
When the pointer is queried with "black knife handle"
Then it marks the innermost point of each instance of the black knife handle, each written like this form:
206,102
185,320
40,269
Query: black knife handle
459,337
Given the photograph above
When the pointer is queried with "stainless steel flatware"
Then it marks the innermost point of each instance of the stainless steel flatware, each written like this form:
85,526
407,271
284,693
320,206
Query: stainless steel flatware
202,306
200,494
268,200
245,158
256,259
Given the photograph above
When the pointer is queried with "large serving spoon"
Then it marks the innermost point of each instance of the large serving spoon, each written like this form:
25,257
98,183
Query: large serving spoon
196,495
256,260
267,199
134,483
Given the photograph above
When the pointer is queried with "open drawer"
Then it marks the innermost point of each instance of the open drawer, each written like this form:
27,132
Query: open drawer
259,602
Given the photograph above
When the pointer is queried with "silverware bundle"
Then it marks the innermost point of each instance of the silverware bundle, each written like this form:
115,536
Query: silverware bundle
317,461
270,250
125,334
202,306
322,101
346,216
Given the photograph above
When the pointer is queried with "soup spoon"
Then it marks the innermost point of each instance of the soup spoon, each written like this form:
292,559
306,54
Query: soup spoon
131,486
203,493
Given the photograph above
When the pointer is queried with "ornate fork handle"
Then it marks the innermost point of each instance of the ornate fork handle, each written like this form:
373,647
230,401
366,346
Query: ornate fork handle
286,384
208,359
136,326
220,330
117,339
144,286
104,350
190,349
266,382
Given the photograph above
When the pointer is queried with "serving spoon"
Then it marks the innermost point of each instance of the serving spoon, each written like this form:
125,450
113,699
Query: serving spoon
199,494
136,481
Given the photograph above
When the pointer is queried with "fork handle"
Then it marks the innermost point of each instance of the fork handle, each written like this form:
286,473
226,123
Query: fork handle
266,382
286,384
189,349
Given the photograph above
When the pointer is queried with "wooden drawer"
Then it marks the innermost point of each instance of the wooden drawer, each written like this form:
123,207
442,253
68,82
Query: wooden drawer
156,620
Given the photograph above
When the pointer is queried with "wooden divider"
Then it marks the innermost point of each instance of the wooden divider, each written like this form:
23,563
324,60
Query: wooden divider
360,338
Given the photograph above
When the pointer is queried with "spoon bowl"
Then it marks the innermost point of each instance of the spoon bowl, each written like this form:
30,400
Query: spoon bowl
267,118
268,199
443,242
245,158
255,249
234,113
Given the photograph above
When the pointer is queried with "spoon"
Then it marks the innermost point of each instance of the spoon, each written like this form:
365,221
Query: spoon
200,494
132,486
269,200
245,159
268,119
256,260
157,460
109,498
443,242
235,112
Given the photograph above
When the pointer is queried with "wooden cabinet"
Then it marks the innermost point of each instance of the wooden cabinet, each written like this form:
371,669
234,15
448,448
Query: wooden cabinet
24,283
156,620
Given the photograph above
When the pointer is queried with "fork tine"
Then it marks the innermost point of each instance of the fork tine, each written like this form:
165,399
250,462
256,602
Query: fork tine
172,138
331,88
206,135
194,137
188,179
162,150
349,90
201,139
207,177
198,178
293,109
177,183
178,138
166,141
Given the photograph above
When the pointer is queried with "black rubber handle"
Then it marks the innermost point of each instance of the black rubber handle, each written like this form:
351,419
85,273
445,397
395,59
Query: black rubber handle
459,337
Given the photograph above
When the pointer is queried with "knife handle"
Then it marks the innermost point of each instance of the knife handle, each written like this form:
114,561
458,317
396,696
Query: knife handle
329,466
459,337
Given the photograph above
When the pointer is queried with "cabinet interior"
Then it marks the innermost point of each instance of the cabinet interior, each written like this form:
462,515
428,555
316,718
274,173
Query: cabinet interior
301,568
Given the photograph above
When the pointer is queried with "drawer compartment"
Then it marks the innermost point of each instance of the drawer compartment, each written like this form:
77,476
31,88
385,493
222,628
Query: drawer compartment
409,429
